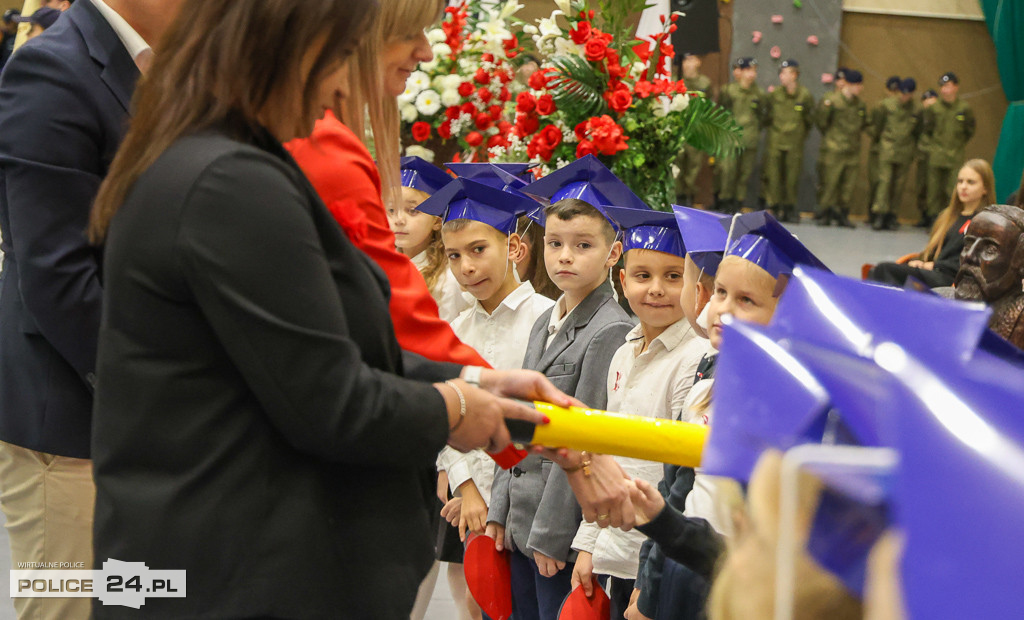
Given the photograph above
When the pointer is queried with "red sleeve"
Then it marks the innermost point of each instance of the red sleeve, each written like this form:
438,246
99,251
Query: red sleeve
343,173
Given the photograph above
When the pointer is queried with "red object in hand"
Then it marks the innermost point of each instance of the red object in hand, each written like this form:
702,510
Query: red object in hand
577,606
489,577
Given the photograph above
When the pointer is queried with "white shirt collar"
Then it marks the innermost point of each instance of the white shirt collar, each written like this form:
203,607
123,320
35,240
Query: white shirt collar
557,318
133,41
512,301
673,335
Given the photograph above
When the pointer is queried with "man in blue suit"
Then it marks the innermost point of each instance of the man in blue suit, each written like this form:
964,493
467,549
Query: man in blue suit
64,106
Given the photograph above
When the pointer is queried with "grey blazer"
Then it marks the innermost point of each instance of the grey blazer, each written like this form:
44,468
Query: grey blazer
534,501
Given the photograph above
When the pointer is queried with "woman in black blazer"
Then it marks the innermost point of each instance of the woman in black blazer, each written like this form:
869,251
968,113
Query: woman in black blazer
256,423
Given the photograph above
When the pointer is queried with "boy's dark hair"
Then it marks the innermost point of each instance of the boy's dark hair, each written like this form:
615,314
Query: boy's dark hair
454,226
571,208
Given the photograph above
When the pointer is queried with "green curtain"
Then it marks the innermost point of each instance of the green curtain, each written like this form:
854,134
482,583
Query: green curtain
1005,19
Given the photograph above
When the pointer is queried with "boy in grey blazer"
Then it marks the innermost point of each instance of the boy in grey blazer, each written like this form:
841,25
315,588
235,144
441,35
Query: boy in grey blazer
533,511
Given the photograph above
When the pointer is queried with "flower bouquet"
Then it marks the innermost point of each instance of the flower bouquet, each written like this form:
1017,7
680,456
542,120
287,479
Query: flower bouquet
603,92
457,102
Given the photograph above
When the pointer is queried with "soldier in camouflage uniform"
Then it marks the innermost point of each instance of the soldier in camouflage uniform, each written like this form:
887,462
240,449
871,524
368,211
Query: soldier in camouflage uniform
924,147
950,124
746,100
691,160
892,89
841,117
790,115
895,125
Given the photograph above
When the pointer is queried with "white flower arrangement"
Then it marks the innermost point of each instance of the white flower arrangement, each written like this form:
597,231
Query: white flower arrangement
415,150
417,82
428,103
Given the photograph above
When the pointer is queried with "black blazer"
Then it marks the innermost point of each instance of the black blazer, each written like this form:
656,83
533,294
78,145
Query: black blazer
250,424
64,101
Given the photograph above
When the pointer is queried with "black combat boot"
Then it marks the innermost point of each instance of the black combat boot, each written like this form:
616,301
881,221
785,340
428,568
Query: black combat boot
842,218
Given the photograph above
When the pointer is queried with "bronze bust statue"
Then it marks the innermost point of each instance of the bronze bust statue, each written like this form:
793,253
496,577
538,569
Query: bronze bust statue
992,268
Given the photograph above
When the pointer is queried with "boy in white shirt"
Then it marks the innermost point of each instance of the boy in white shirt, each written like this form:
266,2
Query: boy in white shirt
649,375
481,245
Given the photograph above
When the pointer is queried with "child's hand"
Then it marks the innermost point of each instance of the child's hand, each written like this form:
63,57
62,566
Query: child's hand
632,613
474,510
442,486
497,532
583,573
548,567
647,501
452,510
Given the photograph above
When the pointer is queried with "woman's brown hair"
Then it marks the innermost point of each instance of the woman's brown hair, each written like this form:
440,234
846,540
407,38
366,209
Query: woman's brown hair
536,274
226,62
951,212
399,19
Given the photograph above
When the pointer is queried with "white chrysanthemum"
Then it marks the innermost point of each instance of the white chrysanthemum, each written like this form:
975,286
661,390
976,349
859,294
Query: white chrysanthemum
441,49
415,150
467,63
408,112
428,102
430,66
451,82
450,97
680,103
660,109
407,96
436,35
417,82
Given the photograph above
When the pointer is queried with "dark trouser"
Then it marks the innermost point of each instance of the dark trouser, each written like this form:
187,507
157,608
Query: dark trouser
535,597
896,274
683,593
619,591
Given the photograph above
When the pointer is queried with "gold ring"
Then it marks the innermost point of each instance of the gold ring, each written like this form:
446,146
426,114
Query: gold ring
601,517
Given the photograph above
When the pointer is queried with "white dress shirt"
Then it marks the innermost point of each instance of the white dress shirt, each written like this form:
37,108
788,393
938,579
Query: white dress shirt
702,500
653,384
138,49
451,299
501,338
558,318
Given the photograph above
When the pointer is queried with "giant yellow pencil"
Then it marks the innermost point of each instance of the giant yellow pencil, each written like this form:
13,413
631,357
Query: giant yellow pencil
651,439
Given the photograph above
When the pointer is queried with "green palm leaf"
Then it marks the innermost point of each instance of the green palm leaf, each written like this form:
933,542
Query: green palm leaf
576,87
711,128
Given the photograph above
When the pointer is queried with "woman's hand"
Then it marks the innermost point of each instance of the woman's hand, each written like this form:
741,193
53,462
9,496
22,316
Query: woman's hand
647,500
583,573
442,486
920,264
527,385
604,494
548,567
474,510
483,425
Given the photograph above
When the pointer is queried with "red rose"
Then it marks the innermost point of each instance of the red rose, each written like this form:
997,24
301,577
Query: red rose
482,77
553,135
494,141
445,130
620,99
487,57
584,148
505,76
607,135
466,89
581,130
484,93
483,121
452,113
546,105
596,49
511,44
526,124
539,79
504,95
495,112
643,89
525,102
474,138
580,33
541,147
420,131
468,108
504,127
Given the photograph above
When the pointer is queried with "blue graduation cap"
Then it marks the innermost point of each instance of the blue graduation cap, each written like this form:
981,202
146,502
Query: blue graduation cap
420,174
764,398
465,199
647,229
588,180
703,236
762,240
501,176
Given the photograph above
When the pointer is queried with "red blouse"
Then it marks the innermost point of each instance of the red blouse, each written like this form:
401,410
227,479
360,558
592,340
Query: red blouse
344,174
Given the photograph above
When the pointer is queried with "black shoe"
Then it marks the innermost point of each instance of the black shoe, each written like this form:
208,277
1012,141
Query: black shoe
878,222
790,215
891,222
841,219
926,221
824,217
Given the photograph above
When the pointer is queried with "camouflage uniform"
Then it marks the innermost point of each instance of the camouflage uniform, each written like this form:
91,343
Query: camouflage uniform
690,159
790,117
841,122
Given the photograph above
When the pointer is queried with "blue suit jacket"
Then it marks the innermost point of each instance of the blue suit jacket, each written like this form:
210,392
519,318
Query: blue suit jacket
64,100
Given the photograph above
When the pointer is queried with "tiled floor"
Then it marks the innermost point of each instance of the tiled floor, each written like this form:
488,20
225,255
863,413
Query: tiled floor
841,249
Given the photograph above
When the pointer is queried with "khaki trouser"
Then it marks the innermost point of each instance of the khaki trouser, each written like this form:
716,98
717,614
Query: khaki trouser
783,169
689,162
735,175
892,179
941,185
839,176
48,501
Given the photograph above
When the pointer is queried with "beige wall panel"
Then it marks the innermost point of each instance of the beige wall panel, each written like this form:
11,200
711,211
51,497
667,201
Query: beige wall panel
964,9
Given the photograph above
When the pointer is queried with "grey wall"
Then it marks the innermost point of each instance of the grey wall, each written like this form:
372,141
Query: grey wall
822,18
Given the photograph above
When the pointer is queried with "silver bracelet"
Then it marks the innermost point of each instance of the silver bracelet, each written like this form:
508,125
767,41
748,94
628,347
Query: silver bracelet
462,404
